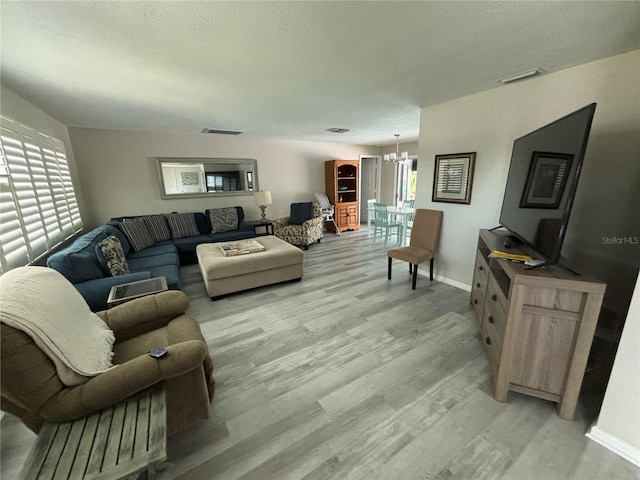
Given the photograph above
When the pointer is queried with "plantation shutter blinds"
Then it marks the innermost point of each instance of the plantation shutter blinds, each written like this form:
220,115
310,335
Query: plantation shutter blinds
455,175
38,206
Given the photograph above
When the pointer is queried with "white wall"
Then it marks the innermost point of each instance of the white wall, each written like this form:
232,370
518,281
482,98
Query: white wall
606,203
118,171
608,194
618,426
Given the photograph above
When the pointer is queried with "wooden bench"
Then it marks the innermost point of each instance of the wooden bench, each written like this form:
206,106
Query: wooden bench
119,442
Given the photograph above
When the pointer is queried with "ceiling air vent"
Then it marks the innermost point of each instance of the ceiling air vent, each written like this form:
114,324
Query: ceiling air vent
338,130
221,132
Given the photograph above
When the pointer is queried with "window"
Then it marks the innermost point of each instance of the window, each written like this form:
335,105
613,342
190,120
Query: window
38,207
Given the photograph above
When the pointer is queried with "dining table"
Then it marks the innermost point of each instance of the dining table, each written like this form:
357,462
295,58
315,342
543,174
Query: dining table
398,213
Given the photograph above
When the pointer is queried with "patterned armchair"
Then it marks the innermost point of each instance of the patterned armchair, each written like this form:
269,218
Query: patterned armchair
306,233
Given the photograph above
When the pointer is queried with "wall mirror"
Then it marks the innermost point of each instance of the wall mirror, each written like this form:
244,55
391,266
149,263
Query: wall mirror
201,177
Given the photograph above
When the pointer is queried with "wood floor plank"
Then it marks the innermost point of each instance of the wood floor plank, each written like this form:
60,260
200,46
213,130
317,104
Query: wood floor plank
346,375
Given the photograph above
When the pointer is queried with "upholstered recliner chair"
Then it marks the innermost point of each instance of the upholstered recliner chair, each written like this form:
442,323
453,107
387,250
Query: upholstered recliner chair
32,387
303,226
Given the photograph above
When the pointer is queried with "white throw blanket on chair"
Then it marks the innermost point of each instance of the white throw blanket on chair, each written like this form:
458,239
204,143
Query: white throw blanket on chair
46,306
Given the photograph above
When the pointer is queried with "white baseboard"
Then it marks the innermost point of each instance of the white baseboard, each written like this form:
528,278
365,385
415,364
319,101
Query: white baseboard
610,442
453,283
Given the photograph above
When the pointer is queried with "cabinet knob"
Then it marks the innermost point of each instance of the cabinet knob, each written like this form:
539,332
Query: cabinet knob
478,285
490,318
481,268
475,301
487,340
494,297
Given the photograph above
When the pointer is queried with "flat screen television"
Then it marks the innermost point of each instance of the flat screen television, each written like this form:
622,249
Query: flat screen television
543,178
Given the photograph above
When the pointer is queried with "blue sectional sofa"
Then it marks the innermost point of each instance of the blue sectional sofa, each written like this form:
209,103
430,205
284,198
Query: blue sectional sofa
81,264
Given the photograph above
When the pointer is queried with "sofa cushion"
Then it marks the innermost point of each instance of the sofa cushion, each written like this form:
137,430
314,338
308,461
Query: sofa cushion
78,262
188,244
158,227
137,233
146,263
182,225
116,232
300,213
231,236
111,256
223,219
202,222
157,249
170,272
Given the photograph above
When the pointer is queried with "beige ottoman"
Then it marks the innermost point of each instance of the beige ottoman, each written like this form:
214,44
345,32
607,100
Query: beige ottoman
279,262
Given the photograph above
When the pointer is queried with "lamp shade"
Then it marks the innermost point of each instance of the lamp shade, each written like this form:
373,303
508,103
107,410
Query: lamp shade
263,198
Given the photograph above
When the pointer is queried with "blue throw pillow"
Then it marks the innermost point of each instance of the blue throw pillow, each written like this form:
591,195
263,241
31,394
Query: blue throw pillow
300,213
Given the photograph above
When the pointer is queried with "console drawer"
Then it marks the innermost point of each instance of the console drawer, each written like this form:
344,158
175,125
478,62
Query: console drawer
479,287
492,348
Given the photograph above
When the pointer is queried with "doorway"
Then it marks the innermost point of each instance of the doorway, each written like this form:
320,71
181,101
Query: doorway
407,177
369,182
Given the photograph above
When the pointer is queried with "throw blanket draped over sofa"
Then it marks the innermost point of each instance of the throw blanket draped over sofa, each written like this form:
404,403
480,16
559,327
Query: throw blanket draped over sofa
152,246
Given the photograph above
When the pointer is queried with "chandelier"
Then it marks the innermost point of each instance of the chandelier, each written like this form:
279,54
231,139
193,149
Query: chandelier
396,157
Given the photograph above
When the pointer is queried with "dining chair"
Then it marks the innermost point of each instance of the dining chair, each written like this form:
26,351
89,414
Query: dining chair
382,222
425,236
370,215
409,223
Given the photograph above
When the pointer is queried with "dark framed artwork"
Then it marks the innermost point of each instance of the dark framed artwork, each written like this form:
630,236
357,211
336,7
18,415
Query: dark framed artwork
547,177
453,178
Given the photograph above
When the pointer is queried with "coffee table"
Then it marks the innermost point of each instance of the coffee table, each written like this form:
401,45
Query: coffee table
129,291
279,262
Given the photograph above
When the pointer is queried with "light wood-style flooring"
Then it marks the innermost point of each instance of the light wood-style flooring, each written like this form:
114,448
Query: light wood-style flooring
346,375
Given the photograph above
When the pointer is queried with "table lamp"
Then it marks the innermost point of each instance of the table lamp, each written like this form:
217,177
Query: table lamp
262,200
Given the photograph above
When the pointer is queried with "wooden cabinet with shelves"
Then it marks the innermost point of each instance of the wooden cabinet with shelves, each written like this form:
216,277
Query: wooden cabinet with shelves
342,184
537,325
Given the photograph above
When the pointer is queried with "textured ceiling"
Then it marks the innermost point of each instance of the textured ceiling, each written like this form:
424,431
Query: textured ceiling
290,69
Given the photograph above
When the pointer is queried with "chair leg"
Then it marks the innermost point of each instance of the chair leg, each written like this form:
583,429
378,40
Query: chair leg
389,269
410,268
431,270
415,277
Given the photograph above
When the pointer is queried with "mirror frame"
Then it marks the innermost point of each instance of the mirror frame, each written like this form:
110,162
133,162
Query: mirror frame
194,160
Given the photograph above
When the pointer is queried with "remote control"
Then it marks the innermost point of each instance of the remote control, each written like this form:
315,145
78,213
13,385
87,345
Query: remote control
158,353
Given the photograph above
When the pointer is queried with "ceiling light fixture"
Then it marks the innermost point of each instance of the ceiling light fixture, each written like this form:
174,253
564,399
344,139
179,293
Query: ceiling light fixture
396,157
520,76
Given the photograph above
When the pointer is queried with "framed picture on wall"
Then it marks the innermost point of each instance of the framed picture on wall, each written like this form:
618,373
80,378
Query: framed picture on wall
189,178
453,178
546,180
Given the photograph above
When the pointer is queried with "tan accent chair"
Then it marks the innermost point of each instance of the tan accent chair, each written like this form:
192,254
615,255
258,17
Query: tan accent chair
423,245
32,390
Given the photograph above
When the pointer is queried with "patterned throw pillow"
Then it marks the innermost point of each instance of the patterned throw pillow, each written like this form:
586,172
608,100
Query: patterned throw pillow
137,233
182,225
223,219
158,227
111,256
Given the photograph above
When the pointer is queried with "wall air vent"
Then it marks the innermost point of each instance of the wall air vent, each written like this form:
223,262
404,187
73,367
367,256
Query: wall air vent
520,76
221,132
338,130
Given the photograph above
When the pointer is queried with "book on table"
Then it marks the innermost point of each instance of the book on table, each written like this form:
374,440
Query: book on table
509,256
241,247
